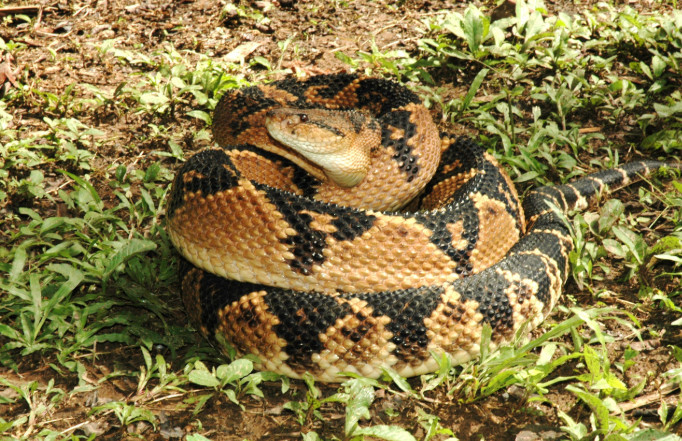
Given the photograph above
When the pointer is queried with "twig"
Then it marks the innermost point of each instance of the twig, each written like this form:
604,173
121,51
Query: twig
651,398
14,10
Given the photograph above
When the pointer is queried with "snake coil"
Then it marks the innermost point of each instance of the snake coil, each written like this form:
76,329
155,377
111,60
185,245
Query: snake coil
310,276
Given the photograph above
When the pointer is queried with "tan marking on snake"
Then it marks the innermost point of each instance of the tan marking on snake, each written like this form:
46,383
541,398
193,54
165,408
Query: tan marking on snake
498,232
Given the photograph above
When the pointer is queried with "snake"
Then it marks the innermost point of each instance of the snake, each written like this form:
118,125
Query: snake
335,230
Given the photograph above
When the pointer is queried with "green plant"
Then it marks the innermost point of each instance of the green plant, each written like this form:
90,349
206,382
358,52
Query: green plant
127,414
235,380
40,401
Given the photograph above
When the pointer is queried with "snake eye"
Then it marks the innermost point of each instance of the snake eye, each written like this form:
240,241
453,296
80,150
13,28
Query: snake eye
304,117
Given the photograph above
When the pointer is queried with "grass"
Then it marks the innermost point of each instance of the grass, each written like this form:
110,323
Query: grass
87,273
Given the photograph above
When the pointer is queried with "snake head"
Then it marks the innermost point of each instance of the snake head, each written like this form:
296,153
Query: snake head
338,141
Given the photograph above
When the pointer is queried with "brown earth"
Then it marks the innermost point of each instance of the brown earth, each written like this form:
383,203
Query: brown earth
64,41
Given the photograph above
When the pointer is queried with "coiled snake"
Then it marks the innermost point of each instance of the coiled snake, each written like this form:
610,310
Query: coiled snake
305,262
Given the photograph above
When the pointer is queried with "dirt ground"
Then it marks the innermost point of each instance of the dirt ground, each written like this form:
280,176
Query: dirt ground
64,42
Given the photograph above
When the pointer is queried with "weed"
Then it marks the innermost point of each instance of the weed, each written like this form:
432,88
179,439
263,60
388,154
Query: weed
235,380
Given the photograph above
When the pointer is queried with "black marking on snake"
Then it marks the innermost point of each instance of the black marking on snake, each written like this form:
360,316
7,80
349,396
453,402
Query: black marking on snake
301,178
547,244
303,317
464,151
352,225
373,91
586,186
308,244
463,209
355,334
470,157
324,88
493,302
437,221
245,102
216,292
407,310
370,91
403,151
211,171
500,192
488,181
488,287
320,311
565,196
304,181
336,131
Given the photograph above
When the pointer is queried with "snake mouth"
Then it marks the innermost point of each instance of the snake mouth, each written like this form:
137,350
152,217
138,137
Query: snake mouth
340,142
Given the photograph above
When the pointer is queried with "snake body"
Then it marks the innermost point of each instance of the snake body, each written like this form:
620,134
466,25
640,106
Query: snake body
309,275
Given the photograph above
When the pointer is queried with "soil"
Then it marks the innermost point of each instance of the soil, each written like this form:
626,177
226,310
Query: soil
64,41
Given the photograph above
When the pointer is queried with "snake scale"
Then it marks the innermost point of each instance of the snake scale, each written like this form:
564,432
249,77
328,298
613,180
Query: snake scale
312,271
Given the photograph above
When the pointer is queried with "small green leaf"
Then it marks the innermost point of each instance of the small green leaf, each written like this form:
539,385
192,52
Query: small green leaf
74,278
197,437
153,98
611,211
311,436
666,244
614,247
361,397
85,184
480,76
121,171
527,176
668,111
132,248
262,61
19,261
399,381
176,150
232,395
201,115
203,378
390,433
631,240
234,371
546,354
473,29
646,70
658,66
601,412
178,82
152,172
